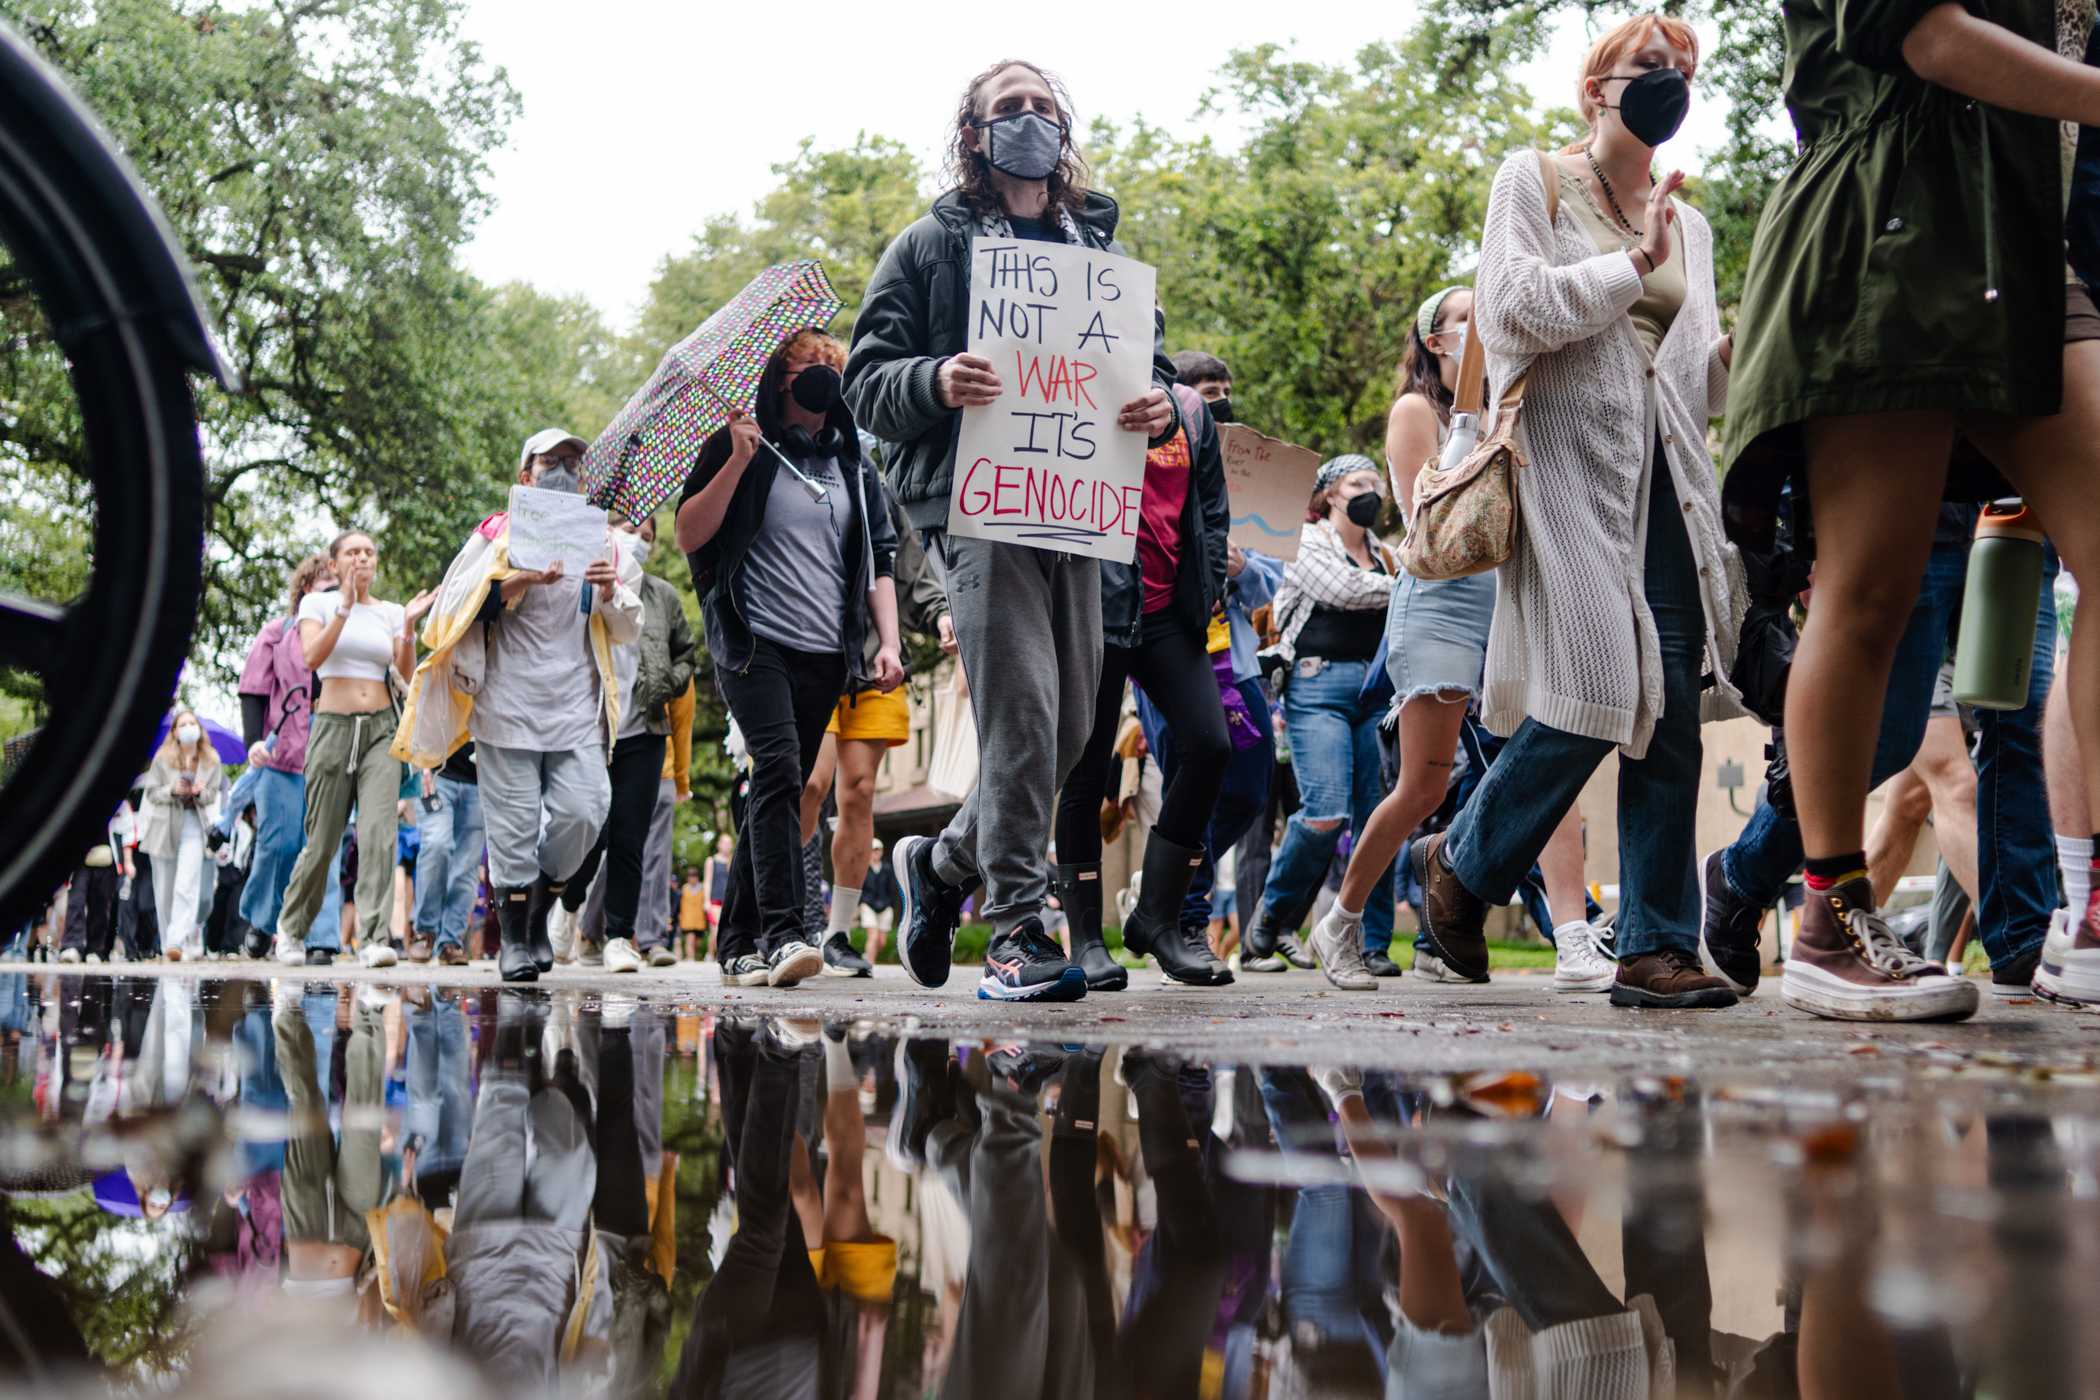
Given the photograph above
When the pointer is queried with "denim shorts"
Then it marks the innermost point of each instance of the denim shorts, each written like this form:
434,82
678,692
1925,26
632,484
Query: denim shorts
1436,636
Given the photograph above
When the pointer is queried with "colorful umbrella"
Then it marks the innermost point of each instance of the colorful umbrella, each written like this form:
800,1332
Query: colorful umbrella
646,451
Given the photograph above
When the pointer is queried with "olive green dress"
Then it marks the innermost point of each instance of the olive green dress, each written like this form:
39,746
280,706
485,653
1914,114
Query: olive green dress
1913,257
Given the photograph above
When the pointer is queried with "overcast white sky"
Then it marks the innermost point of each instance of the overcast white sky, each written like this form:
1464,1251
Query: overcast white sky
643,118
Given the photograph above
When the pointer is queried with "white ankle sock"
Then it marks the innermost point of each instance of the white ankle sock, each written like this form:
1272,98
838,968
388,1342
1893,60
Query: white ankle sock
1348,916
2074,858
845,907
839,1075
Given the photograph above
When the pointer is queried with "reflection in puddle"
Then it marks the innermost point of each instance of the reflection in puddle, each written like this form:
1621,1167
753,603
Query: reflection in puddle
225,1189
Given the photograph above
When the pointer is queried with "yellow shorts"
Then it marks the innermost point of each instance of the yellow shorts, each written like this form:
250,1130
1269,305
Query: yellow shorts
864,1270
873,717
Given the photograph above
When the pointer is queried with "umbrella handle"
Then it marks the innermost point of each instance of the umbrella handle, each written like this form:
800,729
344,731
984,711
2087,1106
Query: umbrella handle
815,488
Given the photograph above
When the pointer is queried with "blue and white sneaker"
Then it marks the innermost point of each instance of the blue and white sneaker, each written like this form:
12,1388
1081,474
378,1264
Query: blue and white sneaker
932,913
1028,965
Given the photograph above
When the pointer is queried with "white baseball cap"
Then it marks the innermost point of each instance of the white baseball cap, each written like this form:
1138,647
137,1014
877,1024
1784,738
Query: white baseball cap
546,440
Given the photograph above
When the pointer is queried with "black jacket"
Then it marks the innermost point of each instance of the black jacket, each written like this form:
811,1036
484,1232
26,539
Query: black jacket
717,563
1199,583
914,316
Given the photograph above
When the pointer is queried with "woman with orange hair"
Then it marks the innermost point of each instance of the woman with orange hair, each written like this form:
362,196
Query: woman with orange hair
788,534
1616,616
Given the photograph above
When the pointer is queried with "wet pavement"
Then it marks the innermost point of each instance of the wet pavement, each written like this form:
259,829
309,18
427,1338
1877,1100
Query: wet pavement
377,1184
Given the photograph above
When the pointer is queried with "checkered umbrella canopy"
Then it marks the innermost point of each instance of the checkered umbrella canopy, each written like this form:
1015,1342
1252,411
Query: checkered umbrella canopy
644,454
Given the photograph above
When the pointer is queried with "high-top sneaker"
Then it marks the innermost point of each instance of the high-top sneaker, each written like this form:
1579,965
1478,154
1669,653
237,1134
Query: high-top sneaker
2069,971
1849,965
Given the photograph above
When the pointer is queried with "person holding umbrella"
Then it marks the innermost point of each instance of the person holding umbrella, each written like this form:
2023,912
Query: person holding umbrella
787,531
185,780
1030,618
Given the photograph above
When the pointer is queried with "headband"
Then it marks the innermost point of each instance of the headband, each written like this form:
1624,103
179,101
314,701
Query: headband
1336,468
1425,319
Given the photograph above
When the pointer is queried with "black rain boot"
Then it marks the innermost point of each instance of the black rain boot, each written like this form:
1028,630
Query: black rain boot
545,894
1155,925
1079,890
513,916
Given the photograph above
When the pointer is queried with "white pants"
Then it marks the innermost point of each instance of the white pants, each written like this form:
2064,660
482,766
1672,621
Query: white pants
543,811
178,883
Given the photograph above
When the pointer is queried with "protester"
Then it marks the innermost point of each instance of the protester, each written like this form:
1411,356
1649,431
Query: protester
1155,617
651,671
451,836
715,885
692,915
522,661
674,786
1436,651
1029,617
1621,587
788,534
97,894
863,728
182,785
353,641
1210,377
1905,294
276,691
1330,613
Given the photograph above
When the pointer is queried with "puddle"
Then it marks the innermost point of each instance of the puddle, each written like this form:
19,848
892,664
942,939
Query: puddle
214,1188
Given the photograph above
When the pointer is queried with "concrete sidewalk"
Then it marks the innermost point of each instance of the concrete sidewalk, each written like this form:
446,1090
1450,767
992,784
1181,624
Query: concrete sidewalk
1518,1021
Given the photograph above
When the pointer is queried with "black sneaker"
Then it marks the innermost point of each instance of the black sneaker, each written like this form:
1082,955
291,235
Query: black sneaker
745,970
1729,938
1027,965
2015,981
932,912
923,1100
791,962
841,959
1293,951
320,957
1381,965
1026,1070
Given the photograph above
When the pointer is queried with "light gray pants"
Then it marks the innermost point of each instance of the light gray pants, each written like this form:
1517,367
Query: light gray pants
543,810
530,1157
1028,622
652,921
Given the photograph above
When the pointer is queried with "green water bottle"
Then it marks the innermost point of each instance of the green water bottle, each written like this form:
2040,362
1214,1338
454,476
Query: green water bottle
1994,652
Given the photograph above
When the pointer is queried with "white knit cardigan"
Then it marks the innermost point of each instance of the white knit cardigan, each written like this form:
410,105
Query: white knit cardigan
1573,642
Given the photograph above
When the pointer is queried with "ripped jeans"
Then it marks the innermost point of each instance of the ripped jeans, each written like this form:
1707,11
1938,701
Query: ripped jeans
1334,755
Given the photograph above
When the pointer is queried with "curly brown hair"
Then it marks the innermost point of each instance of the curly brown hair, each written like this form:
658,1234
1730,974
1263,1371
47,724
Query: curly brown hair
971,174
302,579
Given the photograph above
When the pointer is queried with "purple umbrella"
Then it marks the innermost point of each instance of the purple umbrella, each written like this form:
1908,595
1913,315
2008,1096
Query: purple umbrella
229,746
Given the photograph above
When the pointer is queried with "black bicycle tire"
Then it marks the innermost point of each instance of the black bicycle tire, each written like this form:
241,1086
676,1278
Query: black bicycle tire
122,643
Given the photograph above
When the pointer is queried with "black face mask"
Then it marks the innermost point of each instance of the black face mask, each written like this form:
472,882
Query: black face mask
1653,105
1221,410
1363,510
817,388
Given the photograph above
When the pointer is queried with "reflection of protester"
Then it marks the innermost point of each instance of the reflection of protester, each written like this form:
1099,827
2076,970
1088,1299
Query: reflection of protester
276,717
673,786
1028,621
185,780
792,556
533,1287
651,671
353,641
1617,616
450,841
1156,617
523,663
330,1181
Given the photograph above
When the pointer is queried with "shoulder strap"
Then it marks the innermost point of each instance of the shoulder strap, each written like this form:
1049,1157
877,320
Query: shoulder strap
1549,176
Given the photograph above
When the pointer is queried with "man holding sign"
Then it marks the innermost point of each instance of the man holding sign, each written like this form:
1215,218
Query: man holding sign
1028,522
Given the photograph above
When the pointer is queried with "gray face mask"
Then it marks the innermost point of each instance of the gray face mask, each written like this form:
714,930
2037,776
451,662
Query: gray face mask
561,477
1025,146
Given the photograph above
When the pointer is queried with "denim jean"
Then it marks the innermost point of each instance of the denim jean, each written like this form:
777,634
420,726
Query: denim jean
440,1102
448,860
280,830
1240,800
2015,855
1334,750
1541,771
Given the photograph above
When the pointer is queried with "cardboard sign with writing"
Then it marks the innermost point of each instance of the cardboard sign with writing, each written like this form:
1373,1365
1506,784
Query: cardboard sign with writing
1267,483
550,525
1069,330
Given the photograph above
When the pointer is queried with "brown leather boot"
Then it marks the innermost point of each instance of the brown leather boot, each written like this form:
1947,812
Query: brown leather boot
1454,919
1849,965
1669,980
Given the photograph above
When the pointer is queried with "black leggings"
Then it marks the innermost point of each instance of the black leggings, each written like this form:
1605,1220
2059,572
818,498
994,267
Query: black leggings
1170,663
637,770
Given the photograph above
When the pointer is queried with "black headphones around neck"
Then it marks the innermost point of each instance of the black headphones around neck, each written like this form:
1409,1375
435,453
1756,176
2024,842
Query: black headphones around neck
826,442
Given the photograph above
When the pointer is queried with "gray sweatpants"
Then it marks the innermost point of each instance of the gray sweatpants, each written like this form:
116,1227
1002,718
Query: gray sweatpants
1028,622
543,810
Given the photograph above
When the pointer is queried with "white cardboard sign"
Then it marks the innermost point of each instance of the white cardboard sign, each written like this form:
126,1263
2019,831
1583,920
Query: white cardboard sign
1069,330
550,525
1267,483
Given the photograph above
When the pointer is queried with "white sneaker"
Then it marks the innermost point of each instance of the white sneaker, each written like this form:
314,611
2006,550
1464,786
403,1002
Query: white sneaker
97,957
622,956
1578,966
69,955
616,1013
289,951
561,934
374,998
1338,944
377,952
